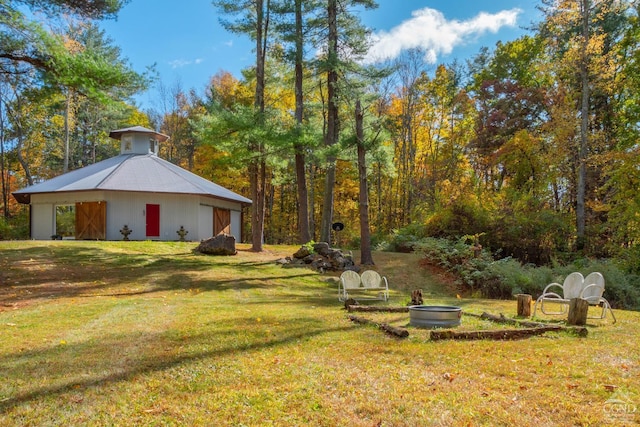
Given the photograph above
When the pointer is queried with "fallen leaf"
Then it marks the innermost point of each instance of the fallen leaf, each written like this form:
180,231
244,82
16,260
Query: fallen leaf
610,387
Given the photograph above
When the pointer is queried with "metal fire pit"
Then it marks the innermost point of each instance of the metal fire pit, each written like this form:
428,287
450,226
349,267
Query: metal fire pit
434,316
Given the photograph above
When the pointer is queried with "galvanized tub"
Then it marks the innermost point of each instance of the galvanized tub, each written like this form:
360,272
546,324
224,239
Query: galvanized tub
434,316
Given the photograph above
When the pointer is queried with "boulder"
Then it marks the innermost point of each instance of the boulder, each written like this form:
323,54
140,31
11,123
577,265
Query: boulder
321,248
222,244
303,252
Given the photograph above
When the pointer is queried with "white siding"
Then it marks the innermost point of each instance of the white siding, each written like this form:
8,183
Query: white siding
42,221
236,225
195,213
205,221
130,209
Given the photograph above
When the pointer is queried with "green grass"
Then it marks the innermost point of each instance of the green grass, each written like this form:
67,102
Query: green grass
148,333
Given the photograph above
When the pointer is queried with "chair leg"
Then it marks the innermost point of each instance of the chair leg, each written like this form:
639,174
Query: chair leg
563,308
606,304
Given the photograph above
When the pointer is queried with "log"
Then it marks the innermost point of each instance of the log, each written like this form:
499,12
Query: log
398,332
507,334
503,319
579,331
578,308
373,308
524,305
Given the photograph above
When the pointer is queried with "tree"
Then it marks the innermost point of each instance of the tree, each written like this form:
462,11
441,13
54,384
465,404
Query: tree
581,35
295,33
26,42
252,18
366,256
344,34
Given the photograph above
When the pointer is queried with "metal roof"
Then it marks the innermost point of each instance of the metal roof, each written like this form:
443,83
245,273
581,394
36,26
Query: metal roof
131,172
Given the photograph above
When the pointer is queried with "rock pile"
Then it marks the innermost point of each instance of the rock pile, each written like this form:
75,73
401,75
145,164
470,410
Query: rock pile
320,257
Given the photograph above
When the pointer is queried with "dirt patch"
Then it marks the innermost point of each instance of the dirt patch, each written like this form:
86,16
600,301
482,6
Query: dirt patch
449,281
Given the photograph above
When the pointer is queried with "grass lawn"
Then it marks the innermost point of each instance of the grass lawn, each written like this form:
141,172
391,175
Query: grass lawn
148,333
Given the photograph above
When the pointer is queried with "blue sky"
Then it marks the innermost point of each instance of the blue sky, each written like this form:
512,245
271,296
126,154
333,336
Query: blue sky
188,45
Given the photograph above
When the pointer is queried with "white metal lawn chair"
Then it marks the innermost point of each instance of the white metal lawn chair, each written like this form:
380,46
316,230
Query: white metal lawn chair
371,280
349,280
593,291
560,294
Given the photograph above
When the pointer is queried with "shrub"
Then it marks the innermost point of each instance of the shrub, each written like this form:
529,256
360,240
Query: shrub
15,228
403,240
503,278
464,216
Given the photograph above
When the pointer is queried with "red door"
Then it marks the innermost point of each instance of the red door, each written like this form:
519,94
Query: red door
153,220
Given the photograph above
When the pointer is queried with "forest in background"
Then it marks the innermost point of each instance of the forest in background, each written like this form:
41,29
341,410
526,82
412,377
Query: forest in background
529,149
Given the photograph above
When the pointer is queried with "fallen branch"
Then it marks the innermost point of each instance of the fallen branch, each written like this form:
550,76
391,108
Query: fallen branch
373,308
579,330
503,319
507,334
398,332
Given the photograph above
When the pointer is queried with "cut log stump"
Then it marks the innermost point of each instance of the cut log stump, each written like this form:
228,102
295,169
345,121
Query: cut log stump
524,305
578,308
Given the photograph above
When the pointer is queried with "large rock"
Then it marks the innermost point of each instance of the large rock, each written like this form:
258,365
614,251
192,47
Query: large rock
222,244
303,252
321,248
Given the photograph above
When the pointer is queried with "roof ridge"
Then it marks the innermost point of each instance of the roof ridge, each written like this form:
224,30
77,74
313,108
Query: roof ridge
118,166
162,161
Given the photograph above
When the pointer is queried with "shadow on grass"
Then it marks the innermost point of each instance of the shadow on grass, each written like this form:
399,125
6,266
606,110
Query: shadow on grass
38,272
117,358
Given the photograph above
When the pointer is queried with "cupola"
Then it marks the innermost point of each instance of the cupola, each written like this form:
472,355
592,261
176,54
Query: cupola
138,140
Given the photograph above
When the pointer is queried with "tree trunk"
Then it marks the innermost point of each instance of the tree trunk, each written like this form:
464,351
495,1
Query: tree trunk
3,178
366,258
584,129
23,162
331,137
65,167
303,198
257,166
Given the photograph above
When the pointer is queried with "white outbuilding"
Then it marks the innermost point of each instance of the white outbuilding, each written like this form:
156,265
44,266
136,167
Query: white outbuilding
136,191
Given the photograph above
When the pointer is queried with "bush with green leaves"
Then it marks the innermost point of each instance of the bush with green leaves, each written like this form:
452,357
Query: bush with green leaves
479,274
15,228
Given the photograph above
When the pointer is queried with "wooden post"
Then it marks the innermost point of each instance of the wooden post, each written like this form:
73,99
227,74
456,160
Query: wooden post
524,305
578,308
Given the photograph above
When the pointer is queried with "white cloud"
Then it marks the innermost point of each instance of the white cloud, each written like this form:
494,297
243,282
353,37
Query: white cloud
180,63
429,29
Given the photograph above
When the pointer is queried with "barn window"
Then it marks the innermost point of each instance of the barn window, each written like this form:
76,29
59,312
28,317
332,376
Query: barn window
127,140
